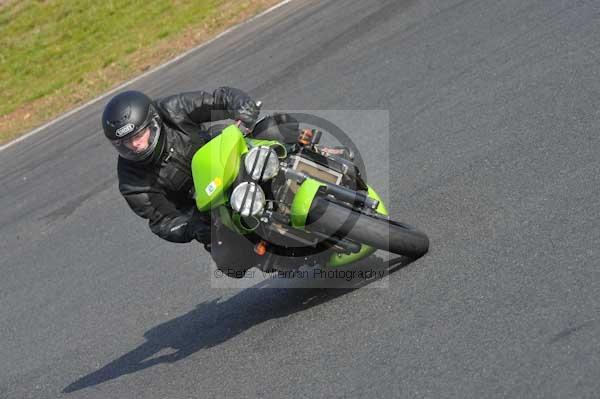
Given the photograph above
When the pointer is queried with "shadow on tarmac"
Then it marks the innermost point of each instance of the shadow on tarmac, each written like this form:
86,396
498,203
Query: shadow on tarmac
212,323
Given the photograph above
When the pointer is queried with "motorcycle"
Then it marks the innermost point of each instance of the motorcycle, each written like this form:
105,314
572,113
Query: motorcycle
292,201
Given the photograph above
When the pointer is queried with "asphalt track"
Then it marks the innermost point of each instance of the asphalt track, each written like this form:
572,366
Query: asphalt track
493,151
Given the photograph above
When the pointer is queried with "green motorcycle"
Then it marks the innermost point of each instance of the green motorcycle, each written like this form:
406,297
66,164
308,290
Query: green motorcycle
293,202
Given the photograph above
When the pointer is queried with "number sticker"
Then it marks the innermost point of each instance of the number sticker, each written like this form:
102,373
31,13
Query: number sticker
212,187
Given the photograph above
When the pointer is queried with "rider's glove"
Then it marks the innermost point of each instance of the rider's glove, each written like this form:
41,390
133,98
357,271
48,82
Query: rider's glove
246,111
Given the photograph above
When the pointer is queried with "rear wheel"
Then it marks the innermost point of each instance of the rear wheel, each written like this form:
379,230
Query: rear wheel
381,233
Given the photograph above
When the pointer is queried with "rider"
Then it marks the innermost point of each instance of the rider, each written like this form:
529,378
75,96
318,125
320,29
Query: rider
156,140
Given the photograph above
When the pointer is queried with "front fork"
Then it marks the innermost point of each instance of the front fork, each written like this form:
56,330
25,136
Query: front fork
300,208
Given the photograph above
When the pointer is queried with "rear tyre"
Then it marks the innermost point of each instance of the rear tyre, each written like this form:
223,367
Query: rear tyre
335,219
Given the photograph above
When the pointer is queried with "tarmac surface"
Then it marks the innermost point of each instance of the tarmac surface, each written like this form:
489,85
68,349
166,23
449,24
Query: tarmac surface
487,122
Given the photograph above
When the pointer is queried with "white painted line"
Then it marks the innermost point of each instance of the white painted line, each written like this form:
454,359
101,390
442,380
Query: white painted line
166,64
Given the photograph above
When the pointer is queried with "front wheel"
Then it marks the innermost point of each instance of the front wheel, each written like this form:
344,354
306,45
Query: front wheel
335,219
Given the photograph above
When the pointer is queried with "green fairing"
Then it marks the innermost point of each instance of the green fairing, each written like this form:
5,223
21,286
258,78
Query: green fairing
302,201
301,206
216,165
380,208
338,260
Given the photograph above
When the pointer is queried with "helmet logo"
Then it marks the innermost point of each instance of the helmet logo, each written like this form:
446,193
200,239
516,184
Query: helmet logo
122,131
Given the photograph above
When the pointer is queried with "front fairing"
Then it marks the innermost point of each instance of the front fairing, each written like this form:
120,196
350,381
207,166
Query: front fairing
216,165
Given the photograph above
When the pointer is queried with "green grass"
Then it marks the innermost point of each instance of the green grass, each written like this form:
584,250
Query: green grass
47,45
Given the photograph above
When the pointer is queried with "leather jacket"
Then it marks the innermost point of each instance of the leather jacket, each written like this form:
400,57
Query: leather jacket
161,189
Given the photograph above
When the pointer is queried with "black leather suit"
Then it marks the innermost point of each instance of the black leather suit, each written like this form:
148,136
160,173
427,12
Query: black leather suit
161,188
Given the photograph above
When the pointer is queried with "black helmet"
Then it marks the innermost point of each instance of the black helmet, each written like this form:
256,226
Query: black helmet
132,124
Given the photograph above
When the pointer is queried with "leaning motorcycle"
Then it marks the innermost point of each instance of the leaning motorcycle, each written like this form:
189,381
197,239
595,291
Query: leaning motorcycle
293,201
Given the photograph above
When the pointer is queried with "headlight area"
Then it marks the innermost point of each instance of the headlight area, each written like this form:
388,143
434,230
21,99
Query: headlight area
262,163
248,199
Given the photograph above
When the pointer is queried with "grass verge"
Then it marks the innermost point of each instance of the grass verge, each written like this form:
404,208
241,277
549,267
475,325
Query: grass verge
58,54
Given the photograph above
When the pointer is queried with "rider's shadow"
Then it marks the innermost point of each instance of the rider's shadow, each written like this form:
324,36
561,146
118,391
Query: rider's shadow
212,323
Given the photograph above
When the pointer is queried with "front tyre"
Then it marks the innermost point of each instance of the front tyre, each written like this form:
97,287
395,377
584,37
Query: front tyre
335,219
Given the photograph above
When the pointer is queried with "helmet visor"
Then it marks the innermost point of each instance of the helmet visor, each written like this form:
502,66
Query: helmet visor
140,145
